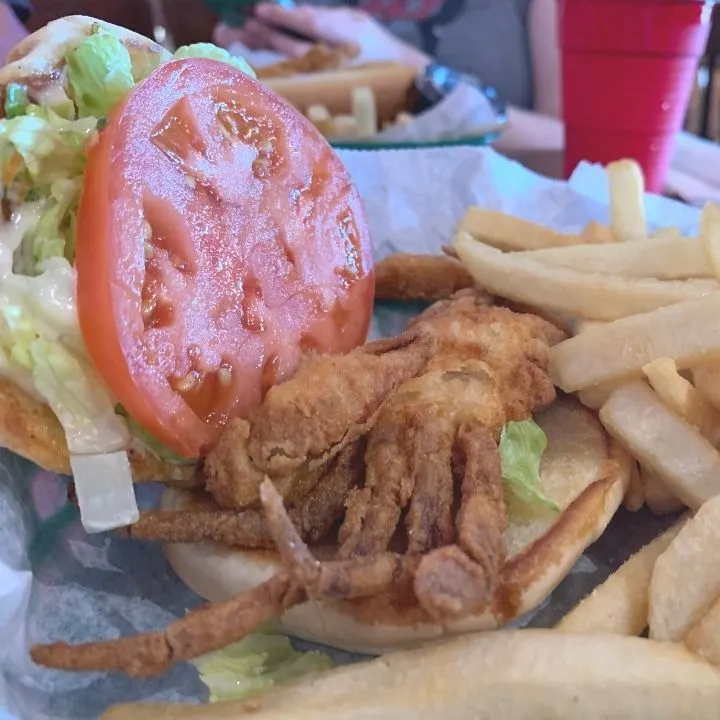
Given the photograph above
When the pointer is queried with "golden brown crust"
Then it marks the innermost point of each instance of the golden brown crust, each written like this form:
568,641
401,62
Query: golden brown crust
405,276
30,428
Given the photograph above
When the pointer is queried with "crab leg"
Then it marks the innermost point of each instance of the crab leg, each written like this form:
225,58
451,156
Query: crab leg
315,514
430,522
334,578
201,631
373,513
482,518
456,580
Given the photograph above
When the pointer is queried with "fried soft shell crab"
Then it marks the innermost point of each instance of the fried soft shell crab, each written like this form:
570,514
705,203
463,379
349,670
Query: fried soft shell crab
397,442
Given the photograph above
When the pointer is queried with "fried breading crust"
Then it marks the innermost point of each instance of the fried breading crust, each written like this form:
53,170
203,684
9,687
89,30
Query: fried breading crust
431,449
305,421
515,346
406,276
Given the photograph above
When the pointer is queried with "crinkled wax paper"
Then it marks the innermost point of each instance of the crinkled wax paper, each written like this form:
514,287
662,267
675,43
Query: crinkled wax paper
465,112
58,583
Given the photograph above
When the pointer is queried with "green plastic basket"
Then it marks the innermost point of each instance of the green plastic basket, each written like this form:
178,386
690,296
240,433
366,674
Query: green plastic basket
468,141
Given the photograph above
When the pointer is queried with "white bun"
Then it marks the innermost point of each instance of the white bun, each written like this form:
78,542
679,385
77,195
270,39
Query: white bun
390,83
583,470
40,54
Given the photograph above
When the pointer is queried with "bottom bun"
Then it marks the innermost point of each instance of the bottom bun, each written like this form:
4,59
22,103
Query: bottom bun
584,471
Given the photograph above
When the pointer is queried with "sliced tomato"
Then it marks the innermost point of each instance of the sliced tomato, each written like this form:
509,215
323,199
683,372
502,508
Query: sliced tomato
219,237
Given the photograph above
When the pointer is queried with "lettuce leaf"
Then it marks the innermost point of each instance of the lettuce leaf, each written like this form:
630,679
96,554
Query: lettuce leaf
256,663
54,235
522,445
50,147
43,157
213,52
137,430
66,381
99,72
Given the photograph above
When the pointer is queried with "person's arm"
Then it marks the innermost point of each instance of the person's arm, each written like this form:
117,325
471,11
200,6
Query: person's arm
545,56
536,137
332,25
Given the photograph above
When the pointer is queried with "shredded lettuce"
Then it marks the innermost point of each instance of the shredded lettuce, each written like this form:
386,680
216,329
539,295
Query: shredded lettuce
50,147
66,381
16,100
256,663
522,445
99,72
54,235
43,159
213,52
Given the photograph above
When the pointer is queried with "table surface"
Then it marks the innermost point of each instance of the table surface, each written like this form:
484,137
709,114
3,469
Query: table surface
543,162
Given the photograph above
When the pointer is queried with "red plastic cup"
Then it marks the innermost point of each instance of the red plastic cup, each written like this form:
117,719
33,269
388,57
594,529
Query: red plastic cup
628,71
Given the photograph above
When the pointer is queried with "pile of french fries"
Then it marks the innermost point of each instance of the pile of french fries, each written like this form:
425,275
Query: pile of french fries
360,124
644,313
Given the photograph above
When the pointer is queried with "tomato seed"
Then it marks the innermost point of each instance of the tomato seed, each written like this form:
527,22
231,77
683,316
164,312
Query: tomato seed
190,181
225,375
261,166
189,382
148,306
147,231
149,251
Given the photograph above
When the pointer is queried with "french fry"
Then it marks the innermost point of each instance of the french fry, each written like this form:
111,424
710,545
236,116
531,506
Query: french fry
710,235
320,117
661,441
635,494
586,295
582,326
681,397
619,606
686,578
706,379
658,497
627,200
596,396
689,332
670,232
506,232
514,675
704,638
664,259
597,233
345,127
364,110
318,113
